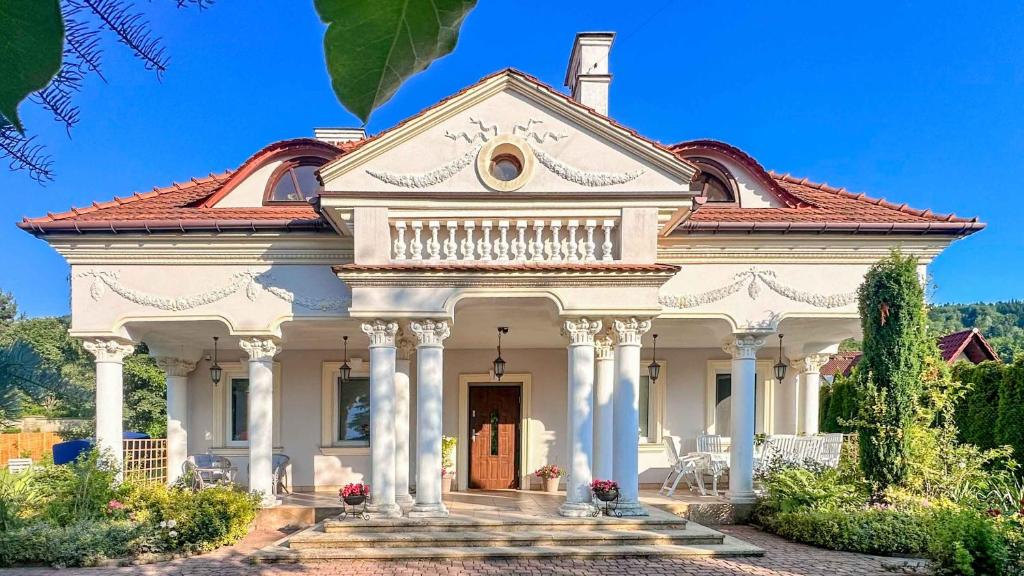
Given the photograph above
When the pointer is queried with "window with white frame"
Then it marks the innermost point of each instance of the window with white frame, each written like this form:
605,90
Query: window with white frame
651,404
231,406
718,400
345,407
238,411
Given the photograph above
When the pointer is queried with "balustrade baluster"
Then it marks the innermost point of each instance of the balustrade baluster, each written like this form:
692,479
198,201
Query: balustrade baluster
502,244
451,247
606,247
400,240
433,246
484,245
572,247
556,244
416,246
589,244
467,242
538,242
519,246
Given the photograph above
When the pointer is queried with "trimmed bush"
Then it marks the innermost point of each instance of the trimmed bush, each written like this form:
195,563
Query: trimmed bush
978,409
871,531
1009,427
965,542
842,405
84,543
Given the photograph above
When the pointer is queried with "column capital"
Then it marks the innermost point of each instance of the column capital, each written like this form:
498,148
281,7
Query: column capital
744,346
175,366
381,332
405,345
430,332
812,363
604,346
629,331
581,331
260,349
108,349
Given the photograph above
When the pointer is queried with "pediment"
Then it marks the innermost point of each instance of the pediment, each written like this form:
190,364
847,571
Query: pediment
566,149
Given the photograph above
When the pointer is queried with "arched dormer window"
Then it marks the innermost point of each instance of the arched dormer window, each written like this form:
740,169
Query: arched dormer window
715,182
295,180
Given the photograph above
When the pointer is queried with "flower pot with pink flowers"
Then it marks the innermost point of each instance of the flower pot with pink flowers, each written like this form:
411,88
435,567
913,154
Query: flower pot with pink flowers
549,476
354,497
605,490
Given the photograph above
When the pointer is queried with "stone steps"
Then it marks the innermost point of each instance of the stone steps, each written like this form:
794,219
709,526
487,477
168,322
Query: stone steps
498,539
464,524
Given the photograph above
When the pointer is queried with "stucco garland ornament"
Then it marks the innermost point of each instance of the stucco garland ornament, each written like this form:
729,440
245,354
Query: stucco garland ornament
426,179
247,280
583,177
752,279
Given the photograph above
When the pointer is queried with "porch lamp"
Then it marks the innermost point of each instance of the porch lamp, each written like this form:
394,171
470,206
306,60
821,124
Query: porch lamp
499,362
653,369
215,369
780,366
346,370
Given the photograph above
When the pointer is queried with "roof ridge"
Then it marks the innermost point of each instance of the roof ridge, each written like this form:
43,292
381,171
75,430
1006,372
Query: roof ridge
860,196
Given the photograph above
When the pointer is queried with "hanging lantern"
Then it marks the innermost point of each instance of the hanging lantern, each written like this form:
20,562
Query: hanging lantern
499,362
346,370
215,370
654,369
780,366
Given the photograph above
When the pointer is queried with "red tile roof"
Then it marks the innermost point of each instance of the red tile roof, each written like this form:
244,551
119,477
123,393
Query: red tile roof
970,342
841,363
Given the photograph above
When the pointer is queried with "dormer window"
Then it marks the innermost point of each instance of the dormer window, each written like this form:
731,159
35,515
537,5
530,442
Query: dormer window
714,181
295,180
715,190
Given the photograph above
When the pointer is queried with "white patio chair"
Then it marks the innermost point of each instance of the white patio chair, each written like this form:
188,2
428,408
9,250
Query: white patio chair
209,470
680,467
712,449
18,465
831,449
279,470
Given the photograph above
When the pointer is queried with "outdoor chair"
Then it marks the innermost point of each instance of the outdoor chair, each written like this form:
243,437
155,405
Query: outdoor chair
681,467
279,470
712,449
207,470
17,465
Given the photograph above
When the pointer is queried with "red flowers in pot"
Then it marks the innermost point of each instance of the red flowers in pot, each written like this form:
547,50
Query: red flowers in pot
354,494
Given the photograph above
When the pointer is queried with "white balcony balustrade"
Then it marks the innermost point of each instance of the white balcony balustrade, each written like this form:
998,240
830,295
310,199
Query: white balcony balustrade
503,241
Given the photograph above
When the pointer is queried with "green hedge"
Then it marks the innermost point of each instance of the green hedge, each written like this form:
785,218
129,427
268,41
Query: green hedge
990,413
839,405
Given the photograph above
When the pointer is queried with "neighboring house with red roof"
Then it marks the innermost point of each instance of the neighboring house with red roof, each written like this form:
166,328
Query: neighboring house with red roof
338,299
963,346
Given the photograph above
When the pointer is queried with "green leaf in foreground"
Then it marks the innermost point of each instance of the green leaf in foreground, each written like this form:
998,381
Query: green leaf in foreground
31,44
373,46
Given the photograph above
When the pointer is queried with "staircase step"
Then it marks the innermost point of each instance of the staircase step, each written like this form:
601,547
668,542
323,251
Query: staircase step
464,539
728,548
663,521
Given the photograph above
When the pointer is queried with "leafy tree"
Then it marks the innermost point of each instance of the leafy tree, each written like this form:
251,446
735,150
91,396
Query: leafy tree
1009,424
59,352
23,374
841,408
1002,324
891,304
145,394
8,309
978,409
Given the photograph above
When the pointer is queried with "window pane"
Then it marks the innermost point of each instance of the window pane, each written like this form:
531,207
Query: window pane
308,184
239,409
354,410
285,188
645,406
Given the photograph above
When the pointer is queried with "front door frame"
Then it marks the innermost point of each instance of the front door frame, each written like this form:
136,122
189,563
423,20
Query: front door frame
525,382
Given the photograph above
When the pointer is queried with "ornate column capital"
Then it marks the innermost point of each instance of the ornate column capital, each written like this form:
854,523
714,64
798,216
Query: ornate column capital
581,331
260,349
813,363
405,345
175,366
381,332
108,349
430,332
604,345
744,346
629,331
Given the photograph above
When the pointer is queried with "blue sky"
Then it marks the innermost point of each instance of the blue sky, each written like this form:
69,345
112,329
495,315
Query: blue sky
916,102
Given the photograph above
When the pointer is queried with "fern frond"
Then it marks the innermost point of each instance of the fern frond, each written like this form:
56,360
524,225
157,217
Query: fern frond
56,97
201,4
132,30
82,40
24,154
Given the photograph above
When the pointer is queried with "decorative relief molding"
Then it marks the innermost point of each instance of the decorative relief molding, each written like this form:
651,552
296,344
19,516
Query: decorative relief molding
628,332
252,282
581,331
175,366
744,347
260,349
427,179
381,332
582,177
430,332
485,133
405,345
604,346
813,363
108,350
526,131
752,279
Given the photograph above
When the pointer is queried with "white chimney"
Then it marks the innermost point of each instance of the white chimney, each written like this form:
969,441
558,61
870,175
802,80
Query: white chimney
587,75
338,136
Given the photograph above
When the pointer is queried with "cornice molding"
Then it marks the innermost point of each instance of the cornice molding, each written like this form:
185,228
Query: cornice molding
195,248
503,279
753,279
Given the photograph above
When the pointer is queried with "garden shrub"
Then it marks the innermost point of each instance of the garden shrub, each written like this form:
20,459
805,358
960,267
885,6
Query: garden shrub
963,541
871,531
84,543
77,491
978,409
794,488
842,405
19,498
1008,426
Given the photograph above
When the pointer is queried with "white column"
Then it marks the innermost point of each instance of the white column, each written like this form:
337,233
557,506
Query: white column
626,400
110,355
743,349
261,351
810,392
404,348
604,380
580,417
786,401
382,416
430,336
176,371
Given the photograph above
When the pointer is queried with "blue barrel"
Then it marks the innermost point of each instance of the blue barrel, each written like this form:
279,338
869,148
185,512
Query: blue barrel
66,452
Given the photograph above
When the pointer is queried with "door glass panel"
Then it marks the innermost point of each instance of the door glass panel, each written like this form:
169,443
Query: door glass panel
494,432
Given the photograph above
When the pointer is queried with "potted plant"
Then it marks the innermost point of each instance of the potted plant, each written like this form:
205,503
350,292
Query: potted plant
605,490
549,475
447,463
354,494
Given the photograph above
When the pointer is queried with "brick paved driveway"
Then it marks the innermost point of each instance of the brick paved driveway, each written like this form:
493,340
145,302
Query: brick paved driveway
782,559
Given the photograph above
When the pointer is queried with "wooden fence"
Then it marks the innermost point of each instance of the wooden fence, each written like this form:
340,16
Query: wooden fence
145,460
26,445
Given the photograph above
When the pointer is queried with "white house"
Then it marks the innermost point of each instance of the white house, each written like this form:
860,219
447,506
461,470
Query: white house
508,204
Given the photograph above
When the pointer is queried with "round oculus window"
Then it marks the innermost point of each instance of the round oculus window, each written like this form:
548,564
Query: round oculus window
506,167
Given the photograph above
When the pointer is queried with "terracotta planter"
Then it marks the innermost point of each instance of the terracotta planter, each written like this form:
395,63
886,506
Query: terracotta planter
550,485
446,484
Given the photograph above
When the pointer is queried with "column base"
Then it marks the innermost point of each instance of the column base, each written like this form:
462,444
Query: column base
429,511
270,501
576,509
389,510
631,509
747,497
404,500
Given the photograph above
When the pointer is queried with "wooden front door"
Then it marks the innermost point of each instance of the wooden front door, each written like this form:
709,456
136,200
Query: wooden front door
494,437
